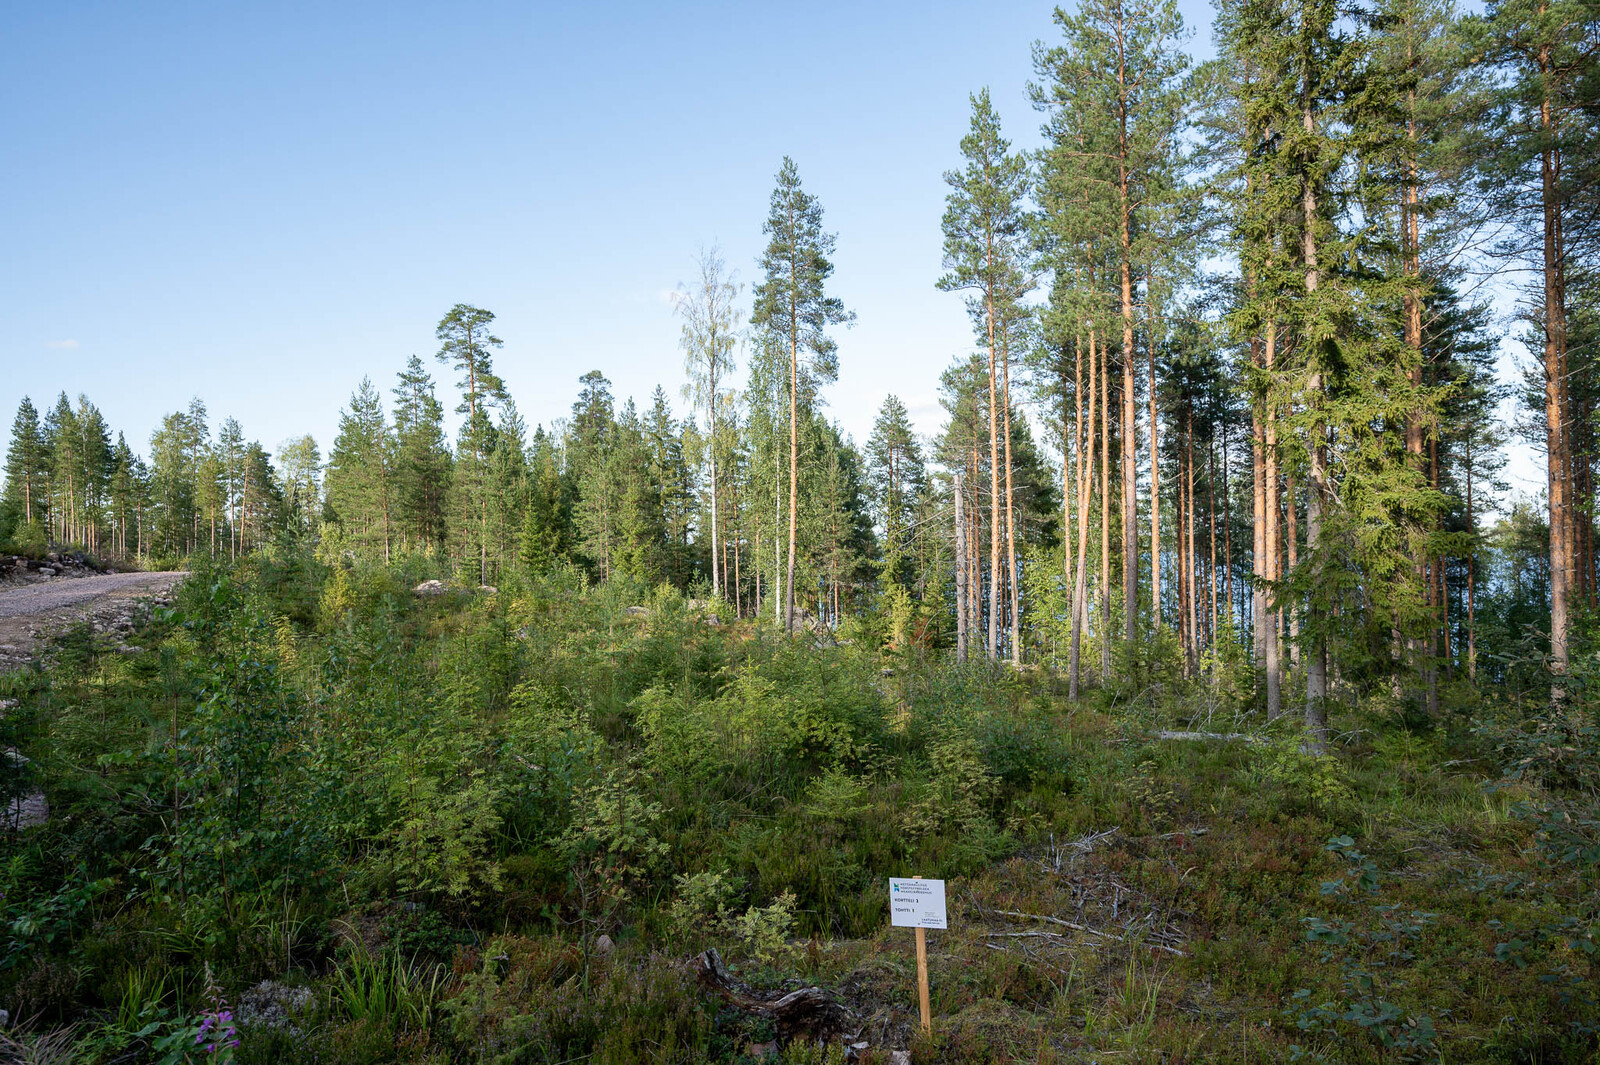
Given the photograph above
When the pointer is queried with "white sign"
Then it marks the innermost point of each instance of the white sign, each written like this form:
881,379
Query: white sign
916,903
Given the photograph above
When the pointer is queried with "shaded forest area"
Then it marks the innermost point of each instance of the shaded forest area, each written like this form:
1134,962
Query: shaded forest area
1203,648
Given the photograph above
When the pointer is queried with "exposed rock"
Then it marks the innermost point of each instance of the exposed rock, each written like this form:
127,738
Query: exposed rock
818,629
28,811
47,571
488,589
274,1006
431,588
714,621
604,945
638,612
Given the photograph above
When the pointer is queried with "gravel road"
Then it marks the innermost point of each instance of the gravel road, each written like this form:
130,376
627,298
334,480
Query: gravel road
31,611
28,600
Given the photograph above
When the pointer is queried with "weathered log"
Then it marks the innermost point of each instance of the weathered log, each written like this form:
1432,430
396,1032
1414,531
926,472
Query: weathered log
810,1013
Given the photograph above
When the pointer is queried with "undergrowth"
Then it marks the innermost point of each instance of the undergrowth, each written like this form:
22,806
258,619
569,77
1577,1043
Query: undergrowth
369,826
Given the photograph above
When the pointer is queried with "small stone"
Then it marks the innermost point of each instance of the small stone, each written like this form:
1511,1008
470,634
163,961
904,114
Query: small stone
46,571
488,589
429,588
638,612
714,621
603,945
899,1057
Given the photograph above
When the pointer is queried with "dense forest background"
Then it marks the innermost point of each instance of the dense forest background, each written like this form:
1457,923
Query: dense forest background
1225,457
1233,395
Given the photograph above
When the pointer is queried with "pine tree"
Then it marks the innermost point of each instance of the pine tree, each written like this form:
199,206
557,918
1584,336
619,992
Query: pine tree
986,251
1119,96
793,308
464,344
1541,174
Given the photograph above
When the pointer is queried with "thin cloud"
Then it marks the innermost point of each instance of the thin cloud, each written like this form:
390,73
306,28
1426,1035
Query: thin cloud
63,345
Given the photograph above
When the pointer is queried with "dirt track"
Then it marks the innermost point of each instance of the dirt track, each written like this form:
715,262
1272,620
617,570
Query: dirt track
29,611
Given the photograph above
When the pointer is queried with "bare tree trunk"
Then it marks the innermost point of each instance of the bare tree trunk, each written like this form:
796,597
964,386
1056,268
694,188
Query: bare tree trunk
1317,652
1011,516
1259,568
1067,447
1558,455
1191,577
1130,411
1105,515
1185,634
1211,539
1272,615
1155,470
1472,566
959,510
1227,530
995,594
794,467
1085,437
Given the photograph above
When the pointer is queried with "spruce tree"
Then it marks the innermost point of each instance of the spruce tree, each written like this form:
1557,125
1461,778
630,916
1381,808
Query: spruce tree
897,479
360,474
27,466
422,458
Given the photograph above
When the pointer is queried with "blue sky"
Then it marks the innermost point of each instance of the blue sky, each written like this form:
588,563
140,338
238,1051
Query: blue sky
261,203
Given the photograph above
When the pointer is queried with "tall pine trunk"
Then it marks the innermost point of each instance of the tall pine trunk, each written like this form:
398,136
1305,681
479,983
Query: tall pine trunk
1272,613
1085,437
994,493
958,508
1011,517
1557,444
1317,651
1105,514
1155,471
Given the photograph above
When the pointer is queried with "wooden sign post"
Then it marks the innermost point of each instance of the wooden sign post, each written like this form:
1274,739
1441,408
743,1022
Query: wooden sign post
918,904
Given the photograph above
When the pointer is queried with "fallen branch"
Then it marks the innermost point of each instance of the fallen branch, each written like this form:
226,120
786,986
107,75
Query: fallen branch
1209,736
1081,928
